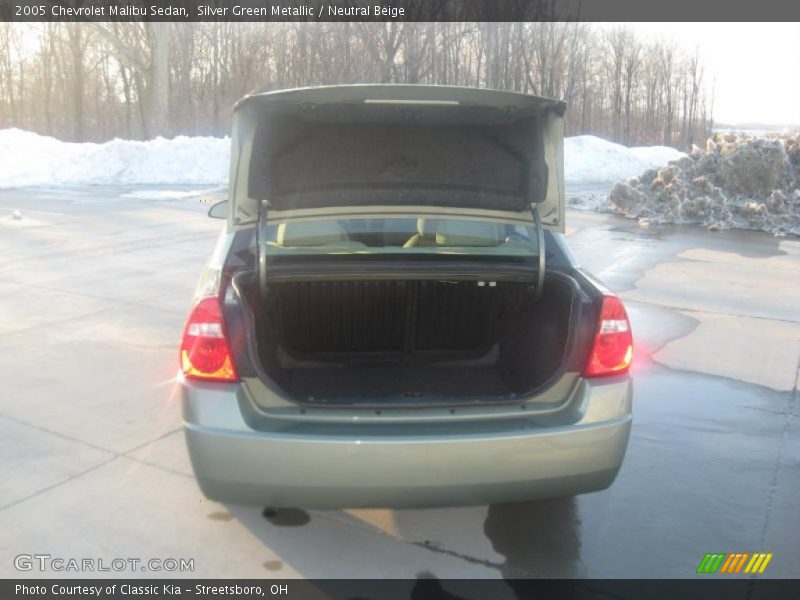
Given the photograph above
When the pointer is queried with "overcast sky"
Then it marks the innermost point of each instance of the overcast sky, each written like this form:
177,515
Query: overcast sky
756,66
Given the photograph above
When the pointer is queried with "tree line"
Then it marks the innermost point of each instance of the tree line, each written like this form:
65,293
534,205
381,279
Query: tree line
96,81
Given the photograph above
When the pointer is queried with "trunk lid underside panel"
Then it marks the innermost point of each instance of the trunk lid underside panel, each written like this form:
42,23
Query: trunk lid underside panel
419,149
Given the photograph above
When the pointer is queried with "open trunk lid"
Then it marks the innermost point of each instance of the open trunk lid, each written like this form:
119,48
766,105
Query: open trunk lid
397,150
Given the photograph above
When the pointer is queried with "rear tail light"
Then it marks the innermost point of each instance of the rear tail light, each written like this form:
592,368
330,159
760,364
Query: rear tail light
205,351
612,348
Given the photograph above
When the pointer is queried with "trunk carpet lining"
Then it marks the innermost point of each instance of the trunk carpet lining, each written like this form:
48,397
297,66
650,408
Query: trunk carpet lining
397,341
331,383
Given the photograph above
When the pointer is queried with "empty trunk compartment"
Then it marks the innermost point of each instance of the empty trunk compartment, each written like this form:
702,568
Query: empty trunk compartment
411,342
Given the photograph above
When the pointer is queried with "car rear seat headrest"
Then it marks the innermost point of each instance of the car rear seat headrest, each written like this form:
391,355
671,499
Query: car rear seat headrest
427,227
468,233
311,233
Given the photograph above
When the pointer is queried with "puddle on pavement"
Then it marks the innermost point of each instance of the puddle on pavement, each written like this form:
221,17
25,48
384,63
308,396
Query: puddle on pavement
286,517
744,242
653,328
536,539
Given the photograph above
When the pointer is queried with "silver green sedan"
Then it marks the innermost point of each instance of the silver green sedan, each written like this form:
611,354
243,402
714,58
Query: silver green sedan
392,318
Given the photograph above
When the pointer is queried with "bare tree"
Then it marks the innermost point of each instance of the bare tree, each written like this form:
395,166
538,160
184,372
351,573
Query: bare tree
149,79
77,51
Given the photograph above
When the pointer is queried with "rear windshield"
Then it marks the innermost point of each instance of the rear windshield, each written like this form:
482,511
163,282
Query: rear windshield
402,236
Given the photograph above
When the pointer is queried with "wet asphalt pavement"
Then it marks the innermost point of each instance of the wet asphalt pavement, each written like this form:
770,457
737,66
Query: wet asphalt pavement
94,290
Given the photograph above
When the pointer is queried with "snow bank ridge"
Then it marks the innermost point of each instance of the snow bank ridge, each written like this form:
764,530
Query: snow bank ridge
593,161
28,159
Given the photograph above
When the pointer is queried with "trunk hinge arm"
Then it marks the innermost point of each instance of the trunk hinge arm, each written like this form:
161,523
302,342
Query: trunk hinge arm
261,248
537,221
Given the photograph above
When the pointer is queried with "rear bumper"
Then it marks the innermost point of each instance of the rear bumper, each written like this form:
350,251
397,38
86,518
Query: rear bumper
403,466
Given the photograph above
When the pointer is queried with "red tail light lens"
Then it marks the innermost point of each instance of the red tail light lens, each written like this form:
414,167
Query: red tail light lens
612,349
205,352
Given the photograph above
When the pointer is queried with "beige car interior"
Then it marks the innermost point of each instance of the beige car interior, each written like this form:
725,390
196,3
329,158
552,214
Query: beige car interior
430,233
315,234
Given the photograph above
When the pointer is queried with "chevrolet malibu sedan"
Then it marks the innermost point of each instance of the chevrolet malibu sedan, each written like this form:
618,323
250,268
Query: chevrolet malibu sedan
392,318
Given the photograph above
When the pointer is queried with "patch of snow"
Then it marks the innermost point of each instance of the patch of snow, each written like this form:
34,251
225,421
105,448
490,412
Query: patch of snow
590,161
18,220
156,194
29,159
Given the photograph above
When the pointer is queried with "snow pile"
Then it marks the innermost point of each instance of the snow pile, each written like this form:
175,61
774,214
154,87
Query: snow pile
590,161
28,159
737,181
159,194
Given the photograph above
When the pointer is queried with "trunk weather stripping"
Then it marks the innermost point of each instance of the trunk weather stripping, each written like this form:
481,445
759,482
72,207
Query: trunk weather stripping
540,238
261,247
